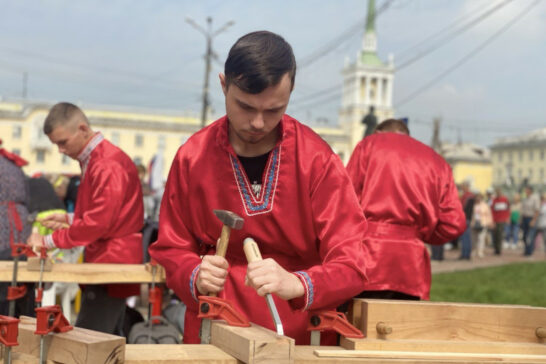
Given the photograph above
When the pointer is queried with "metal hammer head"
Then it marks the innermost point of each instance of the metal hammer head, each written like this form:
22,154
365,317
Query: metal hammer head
229,218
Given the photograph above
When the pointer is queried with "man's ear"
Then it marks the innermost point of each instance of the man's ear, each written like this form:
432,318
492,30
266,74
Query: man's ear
223,82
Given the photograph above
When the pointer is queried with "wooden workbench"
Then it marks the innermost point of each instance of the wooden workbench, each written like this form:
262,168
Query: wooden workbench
85,273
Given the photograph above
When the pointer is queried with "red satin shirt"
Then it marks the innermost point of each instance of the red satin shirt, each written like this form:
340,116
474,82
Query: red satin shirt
409,197
307,218
109,213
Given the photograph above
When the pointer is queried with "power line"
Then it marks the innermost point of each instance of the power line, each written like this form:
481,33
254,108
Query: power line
400,54
339,40
453,35
468,56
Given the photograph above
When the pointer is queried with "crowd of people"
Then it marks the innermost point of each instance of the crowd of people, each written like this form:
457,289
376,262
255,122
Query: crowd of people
501,222
327,233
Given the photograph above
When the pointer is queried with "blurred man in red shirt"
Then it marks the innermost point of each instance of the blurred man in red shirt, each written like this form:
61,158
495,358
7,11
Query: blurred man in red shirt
501,214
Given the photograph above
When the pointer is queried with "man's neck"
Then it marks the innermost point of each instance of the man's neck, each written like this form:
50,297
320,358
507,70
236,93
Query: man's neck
245,149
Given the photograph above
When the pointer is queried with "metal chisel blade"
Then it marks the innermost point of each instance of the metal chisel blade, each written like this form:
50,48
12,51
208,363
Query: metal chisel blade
205,331
274,314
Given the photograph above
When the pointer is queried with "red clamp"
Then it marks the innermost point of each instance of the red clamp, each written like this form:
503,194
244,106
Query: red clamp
50,318
16,292
333,321
9,330
18,249
155,297
219,308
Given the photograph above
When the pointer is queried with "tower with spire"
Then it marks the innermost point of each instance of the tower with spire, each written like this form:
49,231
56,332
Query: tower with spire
366,82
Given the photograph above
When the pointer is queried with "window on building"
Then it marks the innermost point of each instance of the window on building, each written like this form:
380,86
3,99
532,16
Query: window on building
542,154
40,156
530,174
519,174
65,160
500,156
17,132
510,156
139,140
542,180
17,151
520,156
137,160
183,140
531,154
115,138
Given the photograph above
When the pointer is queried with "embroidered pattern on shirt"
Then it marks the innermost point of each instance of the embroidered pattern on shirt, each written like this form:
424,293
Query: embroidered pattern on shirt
193,288
85,154
309,289
253,204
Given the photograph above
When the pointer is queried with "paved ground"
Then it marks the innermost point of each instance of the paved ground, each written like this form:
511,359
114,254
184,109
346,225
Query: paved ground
451,262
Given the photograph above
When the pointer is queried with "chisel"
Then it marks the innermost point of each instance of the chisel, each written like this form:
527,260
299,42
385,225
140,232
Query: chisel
252,253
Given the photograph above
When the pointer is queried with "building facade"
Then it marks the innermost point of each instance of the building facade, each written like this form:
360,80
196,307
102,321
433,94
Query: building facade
141,134
469,163
366,82
520,160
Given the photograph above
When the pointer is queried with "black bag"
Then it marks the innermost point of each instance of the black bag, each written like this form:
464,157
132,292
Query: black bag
148,332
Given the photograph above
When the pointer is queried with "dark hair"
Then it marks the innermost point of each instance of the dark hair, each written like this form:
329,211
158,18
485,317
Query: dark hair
393,125
61,114
259,60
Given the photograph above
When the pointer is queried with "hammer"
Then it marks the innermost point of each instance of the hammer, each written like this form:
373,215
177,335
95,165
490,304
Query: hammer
230,220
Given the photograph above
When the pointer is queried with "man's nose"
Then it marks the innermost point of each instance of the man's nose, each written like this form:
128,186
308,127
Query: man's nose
257,121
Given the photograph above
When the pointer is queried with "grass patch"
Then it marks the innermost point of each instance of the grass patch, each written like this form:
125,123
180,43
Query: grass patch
520,283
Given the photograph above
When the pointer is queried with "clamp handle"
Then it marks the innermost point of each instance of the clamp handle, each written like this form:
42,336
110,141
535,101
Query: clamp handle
18,249
9,330
16,292
333,321
218,308
51,319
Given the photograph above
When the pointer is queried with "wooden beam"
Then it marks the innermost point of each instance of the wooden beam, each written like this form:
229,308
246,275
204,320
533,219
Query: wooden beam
413,320
176,354
86,273
400,355
78,346
21,358
33,264
444,346
254,344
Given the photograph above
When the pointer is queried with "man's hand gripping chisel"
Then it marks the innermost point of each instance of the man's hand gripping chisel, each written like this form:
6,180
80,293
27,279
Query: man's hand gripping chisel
252,253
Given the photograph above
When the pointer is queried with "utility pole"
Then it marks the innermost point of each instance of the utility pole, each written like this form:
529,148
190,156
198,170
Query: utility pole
25,82
435,143
209,35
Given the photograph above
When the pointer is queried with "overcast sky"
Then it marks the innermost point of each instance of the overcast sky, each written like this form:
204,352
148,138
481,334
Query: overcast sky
142,53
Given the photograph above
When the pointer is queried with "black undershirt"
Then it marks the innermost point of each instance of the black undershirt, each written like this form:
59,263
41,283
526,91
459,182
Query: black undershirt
254,169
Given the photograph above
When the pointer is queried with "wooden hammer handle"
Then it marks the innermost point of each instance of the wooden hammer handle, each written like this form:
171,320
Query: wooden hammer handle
222,245
252,251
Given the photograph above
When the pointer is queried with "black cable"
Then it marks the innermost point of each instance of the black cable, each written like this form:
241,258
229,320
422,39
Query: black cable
468,56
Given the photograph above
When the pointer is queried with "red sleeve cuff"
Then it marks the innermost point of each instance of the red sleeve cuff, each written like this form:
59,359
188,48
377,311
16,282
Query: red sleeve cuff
304,302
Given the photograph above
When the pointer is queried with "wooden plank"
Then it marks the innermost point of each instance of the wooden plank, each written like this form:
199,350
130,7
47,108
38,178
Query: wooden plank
452,321
21,358
254,344
521,358
444,346
86,273
33,264
176,354
78,346
306,355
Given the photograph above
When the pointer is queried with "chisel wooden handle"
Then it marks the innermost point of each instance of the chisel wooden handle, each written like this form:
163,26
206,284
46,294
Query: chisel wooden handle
252,251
